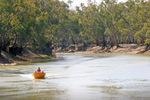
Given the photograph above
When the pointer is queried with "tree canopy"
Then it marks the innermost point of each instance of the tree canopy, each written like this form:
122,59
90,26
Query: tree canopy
39,24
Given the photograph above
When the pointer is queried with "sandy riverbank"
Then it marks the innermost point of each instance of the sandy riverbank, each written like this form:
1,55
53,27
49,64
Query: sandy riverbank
26,57
122,49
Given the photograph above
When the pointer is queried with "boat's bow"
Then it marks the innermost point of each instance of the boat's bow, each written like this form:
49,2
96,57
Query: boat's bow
39,75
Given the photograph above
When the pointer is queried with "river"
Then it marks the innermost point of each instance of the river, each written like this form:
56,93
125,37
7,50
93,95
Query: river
79,77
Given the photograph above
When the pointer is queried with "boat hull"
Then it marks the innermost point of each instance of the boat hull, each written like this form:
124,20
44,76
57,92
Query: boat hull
39,75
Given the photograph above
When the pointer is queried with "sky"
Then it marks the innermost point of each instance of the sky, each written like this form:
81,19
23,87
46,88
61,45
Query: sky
78,2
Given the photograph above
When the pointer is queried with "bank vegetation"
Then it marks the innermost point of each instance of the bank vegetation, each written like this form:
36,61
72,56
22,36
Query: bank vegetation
42,25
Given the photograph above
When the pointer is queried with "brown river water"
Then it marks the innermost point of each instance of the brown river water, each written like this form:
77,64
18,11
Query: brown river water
79,77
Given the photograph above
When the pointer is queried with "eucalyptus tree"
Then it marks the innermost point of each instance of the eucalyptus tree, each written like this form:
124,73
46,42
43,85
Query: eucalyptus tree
32,23
16,19
57,19
133,24
93,28
129,23
73,27
110,15
50,15
5,11
143,32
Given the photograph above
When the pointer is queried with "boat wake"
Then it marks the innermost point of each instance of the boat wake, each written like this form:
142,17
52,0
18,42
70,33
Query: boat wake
27,76
30,76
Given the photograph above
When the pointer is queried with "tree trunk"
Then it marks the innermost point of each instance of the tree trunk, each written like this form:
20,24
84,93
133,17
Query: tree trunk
15,50
104,41
0,50
114,37
97,42
41,5
45,5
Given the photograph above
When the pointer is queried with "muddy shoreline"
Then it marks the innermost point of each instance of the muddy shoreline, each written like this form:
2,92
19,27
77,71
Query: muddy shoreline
122,49
26,57
29,57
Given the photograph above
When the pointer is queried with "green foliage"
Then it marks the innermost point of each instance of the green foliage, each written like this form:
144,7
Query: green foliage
36,23
147,41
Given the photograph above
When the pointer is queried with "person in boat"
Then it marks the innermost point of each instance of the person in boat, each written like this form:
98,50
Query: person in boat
38,70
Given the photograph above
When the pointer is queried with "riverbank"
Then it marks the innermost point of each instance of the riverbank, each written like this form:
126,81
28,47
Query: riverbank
29,57
26,57
122,49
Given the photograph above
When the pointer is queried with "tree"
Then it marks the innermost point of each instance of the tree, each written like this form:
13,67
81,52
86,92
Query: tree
92,25
110,15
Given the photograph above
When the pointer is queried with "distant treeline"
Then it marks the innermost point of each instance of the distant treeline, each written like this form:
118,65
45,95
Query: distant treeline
40,24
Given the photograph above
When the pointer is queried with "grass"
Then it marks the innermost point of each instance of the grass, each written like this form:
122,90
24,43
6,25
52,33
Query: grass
45,57
36,59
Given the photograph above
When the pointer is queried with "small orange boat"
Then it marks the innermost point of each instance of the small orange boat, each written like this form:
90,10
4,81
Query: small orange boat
39,75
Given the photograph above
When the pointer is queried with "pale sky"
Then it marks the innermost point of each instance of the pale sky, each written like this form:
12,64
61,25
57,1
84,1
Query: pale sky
78,2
